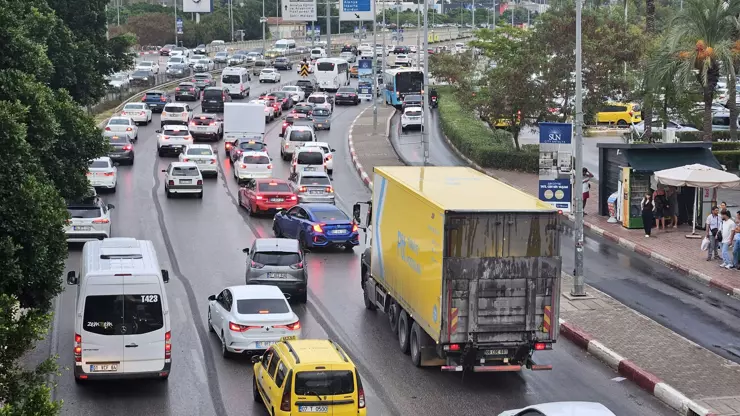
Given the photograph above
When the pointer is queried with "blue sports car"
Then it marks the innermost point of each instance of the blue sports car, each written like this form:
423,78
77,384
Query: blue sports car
316,225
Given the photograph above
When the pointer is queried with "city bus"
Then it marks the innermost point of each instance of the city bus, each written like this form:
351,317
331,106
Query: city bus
400,82
331,73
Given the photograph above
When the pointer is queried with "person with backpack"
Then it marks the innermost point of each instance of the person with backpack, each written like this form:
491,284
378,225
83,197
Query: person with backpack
661,207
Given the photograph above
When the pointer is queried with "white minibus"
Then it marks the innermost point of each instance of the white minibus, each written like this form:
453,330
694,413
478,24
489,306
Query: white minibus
331,73
236,80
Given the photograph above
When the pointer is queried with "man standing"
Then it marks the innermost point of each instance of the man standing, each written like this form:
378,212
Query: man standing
713,223
727,227
586,187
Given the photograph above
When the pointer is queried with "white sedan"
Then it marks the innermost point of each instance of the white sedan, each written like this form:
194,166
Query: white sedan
150,66
402,59
250,318
252,165
296,93
203,155
103,173
123,126
139,112
269,74
562,409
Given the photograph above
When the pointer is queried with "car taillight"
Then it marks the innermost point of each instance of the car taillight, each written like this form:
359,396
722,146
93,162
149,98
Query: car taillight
257,265
329,189
186,160
101,221
192,123
354,228
213,123
107,129
290,327
317,228
143,99
285,404
167,345
108,174
297,266
269,167
129,129
163,99
328,157
243,166
128,147
88,173
452,347
287,145
78,348
166,137
303,189
177,89
213,161
192,90
227,145
361,398
193,80
293,198
541,346
171,182
142,113
241,328
200,182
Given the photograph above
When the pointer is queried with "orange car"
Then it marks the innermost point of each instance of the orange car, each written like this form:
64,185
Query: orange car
353,72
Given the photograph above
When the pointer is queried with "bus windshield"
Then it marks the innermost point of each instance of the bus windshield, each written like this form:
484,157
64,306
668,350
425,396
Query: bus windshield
409,82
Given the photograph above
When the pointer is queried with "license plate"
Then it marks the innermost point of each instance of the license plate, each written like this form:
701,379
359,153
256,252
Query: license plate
309,169
152,105
81,228
264,344
276,199
103,367
313,409
200,161
185,181
201,128
496,352
315,192
277,275
319,125
338,232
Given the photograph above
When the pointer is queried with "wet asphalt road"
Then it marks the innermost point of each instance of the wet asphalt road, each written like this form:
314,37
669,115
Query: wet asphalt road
700,313
200,242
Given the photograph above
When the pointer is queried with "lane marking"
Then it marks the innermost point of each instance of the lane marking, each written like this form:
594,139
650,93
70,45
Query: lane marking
199,366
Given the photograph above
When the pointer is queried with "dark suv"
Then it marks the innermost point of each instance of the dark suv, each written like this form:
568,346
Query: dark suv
214,98
307,85
282,63
204,80
401,50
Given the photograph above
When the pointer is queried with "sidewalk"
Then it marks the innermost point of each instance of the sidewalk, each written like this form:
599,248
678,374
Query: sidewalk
685,376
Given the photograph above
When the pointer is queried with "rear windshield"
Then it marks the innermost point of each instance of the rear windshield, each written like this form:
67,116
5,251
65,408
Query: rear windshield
324,383
346,90
310,158
412,98
123,314
91,212
321,112
99,164
213,94
117,140
332,215
260,63
231,79
413,113
251,146
274,187
315,180
119,122
276,258
256,160
153,95
180,133
142,73
185,171
306,83
317,99
200,151
301,136
174,109
261,306
202,76
187,85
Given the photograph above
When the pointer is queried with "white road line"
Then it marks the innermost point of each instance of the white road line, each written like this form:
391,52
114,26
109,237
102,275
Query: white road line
181,314
198,366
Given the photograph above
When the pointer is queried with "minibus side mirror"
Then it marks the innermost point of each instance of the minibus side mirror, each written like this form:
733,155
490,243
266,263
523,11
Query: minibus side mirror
165,276
71,278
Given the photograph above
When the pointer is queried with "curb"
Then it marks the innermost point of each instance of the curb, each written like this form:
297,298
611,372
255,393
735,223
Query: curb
355,160
629,370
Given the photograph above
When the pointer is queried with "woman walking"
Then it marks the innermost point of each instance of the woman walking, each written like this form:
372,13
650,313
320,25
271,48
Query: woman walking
648,212
661,206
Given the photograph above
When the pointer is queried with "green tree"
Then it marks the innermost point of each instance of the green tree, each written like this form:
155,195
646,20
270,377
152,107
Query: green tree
698,45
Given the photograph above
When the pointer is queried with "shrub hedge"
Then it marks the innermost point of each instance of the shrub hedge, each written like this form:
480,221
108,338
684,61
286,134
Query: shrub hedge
486,147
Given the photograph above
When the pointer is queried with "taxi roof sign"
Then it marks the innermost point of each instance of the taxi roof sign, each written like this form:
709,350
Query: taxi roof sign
289,338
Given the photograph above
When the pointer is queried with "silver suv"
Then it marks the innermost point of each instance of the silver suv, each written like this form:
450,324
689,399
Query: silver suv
278,262
89,219
313,187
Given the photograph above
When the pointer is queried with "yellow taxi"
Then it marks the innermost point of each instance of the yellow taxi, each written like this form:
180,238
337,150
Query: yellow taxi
307,376
621,114
353,71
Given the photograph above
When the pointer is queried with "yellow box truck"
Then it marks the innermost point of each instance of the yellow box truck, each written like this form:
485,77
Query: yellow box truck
466,267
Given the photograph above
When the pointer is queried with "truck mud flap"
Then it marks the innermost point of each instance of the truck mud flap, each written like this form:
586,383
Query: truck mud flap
538,367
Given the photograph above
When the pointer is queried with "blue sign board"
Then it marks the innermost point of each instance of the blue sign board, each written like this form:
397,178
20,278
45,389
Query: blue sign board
357,5
178,24
555,133
365,64
557,192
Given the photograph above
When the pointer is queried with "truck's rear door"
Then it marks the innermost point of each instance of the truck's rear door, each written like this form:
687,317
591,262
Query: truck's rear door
502,276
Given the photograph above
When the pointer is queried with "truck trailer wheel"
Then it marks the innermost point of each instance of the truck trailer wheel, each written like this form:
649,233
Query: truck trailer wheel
369,305
393,311
404,328
415,340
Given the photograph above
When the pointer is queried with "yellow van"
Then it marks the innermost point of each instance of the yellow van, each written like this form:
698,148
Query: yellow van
621,114
307,376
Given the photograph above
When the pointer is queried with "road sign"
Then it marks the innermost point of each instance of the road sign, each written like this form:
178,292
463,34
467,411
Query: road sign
304,70
356,10
178,24
299,10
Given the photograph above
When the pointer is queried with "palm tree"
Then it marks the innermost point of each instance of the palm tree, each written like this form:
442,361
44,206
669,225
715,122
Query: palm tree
697,46
648,104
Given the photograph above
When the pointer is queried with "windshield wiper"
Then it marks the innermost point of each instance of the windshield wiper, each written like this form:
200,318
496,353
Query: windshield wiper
313,393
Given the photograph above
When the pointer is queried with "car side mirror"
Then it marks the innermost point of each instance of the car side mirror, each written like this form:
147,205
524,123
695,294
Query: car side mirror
256,358
280,135
158,131
164,170
356,212
116,164
212,297
71,278
165,276
111,206
245,251
333,150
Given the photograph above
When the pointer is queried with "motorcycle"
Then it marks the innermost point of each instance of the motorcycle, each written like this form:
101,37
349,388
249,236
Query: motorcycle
433,101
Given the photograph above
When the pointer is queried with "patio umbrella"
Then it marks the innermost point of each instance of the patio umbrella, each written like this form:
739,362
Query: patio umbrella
697,176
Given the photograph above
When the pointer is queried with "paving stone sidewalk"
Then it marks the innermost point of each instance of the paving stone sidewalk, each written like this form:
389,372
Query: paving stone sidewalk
684,375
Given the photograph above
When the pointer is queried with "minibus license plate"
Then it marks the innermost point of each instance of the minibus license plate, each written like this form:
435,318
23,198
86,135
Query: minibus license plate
103,367
313,409
497,352
264,344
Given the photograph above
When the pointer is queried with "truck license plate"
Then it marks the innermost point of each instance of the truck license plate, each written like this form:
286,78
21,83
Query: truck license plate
313,409
103,367
497,352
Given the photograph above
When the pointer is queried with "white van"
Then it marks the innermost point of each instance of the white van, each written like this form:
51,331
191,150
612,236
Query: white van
285,45
122,320
236,80
317,53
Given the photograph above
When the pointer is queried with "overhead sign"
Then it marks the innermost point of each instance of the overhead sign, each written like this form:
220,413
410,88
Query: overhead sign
197,6
556,165
357,10
304,70
178,25
299,10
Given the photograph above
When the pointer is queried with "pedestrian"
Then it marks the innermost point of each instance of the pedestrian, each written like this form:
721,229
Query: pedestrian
725,235
736,242
713,223
586,187
661,206
722,206
648,212
672,194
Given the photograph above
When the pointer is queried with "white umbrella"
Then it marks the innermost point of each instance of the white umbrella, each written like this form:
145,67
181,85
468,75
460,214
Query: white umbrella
697,176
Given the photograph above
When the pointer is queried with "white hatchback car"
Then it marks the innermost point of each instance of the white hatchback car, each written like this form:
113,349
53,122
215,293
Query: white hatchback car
402,59
139,112
176,113
150,66
103,173
328,154
123,126
203,155
296,93
411,117
89,220
173,139
183,178
252,165
250,318
269,74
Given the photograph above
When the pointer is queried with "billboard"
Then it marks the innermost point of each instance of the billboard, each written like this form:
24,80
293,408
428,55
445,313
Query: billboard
556,165
299,10
197,6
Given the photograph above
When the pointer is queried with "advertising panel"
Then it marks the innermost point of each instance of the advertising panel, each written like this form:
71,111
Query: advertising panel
556,165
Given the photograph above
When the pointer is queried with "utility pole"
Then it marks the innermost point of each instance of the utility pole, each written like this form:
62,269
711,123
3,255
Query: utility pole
398,22
277,20
418,34
425,98
373,93
176,43
472,9
385,35
625,25
328,29
264,22
118,13
231,18
578,279
495,12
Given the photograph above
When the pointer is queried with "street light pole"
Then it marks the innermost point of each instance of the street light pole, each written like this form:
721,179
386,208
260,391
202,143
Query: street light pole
472,9
398,22
118,13
578,279
231,18
425,98
264,22
418,38
328,29
176,43
373,93
385,36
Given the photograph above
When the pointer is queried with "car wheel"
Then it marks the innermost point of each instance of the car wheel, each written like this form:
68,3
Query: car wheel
369,305
167,192
621,123
276,230
404,329
200,195
210,324
113,190
132,161
160,152
255,391
225,353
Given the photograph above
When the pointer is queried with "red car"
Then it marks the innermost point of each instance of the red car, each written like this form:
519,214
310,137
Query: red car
292,117
264,195
278,106
283,98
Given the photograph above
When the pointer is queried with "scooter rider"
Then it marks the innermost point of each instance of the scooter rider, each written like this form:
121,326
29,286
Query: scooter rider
433,97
